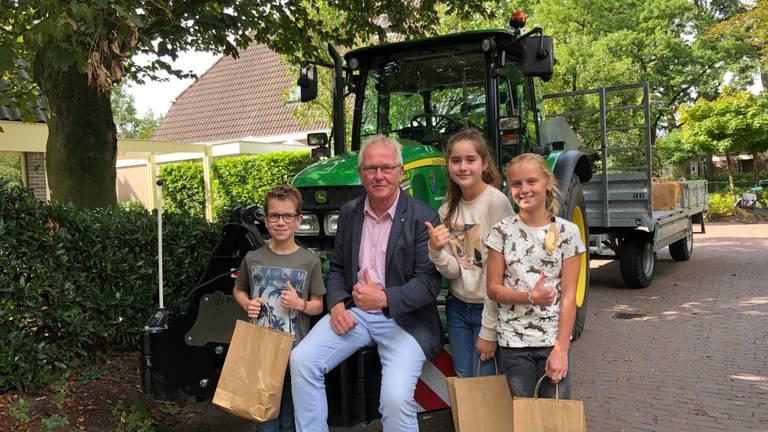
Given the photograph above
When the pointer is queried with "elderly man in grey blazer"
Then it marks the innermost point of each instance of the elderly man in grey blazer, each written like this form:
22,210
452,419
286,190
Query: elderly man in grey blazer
381,290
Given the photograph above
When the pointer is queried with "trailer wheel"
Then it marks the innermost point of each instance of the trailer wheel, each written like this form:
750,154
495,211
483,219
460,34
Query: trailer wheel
682,249
574,209
638,259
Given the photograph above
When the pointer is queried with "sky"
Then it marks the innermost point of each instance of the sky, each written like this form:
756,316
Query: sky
159,95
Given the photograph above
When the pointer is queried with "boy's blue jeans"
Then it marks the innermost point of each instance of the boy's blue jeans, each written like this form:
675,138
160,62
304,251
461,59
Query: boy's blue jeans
322,349
284,421
464,323
523,368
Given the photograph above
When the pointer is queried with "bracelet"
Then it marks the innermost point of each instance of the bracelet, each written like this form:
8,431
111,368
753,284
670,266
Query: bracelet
530,298
305,306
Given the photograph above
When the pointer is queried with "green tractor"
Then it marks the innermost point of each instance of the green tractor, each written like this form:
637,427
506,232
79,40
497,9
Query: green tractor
422,91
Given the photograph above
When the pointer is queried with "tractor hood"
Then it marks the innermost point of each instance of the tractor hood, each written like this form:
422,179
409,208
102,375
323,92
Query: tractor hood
342,170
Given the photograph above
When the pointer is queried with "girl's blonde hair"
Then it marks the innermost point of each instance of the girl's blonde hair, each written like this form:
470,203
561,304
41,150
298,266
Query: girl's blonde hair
490,175
552,202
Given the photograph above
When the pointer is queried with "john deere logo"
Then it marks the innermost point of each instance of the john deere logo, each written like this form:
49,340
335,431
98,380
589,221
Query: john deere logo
321,197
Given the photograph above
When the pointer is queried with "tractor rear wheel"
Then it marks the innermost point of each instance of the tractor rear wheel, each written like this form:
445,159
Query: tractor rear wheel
573,208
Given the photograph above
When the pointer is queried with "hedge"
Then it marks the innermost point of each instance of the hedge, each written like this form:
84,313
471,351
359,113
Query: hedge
237,181
743,181
76,282
183,188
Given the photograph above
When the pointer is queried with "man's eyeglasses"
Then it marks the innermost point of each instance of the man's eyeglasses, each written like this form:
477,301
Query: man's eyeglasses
287,217
370,170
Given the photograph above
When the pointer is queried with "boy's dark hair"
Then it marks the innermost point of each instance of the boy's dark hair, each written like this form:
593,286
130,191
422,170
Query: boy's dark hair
283,192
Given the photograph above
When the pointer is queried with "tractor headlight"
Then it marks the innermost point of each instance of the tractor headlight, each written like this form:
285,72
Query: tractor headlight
309,226
330,223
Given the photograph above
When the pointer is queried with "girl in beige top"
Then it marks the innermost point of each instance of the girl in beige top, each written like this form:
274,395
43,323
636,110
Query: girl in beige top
472,206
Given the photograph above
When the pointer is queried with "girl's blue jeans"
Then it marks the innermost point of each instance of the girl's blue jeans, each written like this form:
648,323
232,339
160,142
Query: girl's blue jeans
464,323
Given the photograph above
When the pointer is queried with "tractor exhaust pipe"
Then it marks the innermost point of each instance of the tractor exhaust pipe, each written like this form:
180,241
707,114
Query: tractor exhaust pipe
339,133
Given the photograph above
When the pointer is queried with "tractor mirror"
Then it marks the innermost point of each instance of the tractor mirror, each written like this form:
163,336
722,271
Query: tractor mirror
539,57
308,82
320,143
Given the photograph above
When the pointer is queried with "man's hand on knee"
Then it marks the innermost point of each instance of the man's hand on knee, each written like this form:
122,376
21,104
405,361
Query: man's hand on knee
342,320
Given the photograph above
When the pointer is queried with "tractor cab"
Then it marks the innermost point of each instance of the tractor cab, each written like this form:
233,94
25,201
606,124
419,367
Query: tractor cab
421,92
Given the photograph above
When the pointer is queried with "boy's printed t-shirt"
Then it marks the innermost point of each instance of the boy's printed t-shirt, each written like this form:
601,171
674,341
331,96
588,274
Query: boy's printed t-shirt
265,274
524,325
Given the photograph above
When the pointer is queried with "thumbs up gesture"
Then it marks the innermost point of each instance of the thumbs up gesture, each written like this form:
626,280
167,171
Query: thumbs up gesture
369,295
542,295
290,299
438,236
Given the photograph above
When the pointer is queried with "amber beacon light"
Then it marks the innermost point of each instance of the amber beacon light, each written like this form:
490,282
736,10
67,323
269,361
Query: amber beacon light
517,20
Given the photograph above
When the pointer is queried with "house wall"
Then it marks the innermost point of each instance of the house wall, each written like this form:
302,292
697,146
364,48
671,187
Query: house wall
34,171
132,184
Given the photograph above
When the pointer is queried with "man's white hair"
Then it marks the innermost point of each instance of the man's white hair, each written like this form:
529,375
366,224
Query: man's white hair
389,142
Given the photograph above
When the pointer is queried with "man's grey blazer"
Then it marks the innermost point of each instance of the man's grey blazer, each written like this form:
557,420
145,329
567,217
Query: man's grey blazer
412,282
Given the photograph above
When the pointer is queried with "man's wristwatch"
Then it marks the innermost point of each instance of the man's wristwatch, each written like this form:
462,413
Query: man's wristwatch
530,297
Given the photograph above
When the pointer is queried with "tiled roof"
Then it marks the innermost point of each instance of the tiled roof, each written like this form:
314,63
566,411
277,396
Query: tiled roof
235,98
14,114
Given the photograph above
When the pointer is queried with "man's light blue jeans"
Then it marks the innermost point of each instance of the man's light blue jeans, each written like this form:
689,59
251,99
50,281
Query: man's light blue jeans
322,349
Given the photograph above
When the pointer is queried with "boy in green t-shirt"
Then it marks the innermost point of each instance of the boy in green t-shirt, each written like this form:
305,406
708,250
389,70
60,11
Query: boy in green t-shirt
281,285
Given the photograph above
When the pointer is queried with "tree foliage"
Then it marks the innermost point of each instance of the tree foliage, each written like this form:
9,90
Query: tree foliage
605,43
734,122
127,120
751,24
78,50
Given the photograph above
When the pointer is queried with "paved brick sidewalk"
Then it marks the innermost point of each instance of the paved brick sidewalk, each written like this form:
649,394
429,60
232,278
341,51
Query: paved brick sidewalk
696,361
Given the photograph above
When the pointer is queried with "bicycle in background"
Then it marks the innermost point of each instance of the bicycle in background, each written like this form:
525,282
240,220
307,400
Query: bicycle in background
751,207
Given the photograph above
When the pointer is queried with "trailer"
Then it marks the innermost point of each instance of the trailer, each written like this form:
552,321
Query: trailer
625,222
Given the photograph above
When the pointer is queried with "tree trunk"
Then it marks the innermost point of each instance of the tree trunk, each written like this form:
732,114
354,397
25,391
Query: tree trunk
709,166
756,166
82,140
730,175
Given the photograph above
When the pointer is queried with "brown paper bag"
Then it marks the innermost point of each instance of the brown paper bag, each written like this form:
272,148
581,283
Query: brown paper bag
251,382
548,415
480,403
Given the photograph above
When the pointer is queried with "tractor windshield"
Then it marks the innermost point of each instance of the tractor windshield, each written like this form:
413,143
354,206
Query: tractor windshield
425,95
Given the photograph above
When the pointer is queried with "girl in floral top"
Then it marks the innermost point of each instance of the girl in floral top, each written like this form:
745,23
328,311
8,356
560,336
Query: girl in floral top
533,270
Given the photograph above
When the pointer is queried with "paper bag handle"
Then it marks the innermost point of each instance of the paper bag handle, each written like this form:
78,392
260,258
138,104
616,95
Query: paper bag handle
538,384
477,371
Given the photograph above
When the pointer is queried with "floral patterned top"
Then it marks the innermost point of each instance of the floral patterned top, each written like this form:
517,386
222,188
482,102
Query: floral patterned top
523,325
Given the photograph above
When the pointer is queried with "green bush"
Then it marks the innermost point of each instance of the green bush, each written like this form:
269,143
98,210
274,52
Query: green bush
743,181
245,180
183,188
720,206
74,282
237,181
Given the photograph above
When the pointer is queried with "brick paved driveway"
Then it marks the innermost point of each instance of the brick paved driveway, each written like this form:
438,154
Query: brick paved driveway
696,360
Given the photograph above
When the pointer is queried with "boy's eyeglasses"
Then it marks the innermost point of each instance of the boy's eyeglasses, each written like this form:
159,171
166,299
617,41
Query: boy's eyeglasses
370,170
287,217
